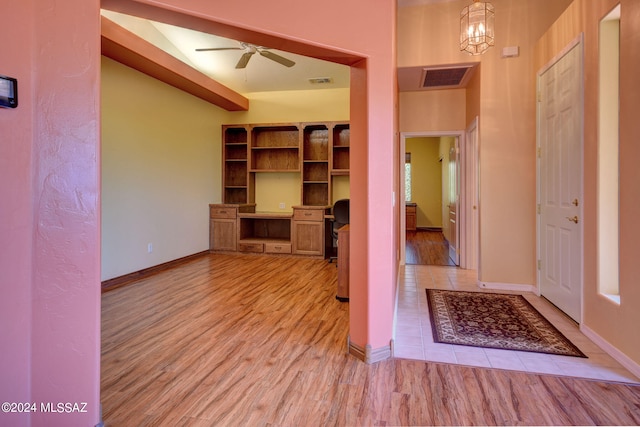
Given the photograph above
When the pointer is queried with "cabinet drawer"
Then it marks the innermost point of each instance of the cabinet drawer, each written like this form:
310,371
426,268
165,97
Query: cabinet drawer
219,212
308,214
251,247
277,248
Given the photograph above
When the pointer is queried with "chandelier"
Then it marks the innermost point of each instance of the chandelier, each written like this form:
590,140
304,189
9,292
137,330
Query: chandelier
477,27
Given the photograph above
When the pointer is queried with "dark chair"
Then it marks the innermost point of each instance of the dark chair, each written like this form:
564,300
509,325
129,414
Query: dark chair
340,213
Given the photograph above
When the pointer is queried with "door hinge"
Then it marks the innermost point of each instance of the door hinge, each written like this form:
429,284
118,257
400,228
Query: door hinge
539,264
538,209
539,96
539,152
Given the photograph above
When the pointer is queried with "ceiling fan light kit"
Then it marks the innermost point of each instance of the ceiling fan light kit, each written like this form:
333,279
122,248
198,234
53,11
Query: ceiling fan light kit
249,51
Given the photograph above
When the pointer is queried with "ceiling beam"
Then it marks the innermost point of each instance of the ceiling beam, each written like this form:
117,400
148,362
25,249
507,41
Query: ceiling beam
127,48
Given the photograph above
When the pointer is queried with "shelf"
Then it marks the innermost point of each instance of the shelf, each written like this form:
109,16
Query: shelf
275,160
275,136
318,151
287,147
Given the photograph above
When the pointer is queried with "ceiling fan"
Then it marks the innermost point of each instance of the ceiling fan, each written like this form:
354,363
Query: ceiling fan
249,51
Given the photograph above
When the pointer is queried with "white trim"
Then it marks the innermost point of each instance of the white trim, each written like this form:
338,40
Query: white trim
461,135
573,43
517,287
612,351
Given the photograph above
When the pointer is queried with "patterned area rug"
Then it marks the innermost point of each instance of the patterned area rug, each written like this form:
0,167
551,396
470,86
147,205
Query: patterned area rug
494,321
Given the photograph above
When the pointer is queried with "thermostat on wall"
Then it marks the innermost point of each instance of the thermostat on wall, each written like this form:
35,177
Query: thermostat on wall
8,92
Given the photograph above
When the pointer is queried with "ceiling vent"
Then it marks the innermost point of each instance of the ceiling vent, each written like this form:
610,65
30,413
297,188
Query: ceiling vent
447,77
434,77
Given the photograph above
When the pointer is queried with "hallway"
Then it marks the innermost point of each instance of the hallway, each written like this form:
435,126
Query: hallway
427,247
414,339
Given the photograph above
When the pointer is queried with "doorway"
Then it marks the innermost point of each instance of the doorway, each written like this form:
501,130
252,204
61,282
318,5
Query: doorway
434,161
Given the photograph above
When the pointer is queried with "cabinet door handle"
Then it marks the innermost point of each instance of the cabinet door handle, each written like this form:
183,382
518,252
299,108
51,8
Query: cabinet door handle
222,212
307,214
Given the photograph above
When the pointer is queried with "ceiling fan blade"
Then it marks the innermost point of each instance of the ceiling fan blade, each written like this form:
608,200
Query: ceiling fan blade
275,57
244,60
205,49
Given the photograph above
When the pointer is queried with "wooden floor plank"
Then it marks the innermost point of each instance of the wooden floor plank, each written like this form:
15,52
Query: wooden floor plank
262,341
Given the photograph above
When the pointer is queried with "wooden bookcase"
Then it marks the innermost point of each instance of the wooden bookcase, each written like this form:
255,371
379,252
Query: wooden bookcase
315,150
237,183
315,165
318,151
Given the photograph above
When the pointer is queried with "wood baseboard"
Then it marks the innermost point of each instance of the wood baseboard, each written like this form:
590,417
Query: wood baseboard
369,355
118,282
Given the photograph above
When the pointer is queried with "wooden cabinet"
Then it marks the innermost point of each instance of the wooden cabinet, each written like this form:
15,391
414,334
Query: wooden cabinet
342,293
411,216
308,230
223,226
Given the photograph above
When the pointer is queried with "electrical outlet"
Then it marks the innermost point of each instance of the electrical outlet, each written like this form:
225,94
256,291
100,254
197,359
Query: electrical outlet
282,205
149,247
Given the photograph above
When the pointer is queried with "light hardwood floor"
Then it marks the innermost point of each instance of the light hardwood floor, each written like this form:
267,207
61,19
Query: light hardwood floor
259,340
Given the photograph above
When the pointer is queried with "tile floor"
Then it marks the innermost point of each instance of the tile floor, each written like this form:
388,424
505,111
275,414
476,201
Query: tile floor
414,339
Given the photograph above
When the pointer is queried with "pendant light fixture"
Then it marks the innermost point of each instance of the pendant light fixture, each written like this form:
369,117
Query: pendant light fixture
477,27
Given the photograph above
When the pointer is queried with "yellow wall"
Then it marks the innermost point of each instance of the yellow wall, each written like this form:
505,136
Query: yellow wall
438,110
507,120
615,324
426,180
160,169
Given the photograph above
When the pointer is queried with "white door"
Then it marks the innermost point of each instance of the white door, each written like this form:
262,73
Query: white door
453,197
560,182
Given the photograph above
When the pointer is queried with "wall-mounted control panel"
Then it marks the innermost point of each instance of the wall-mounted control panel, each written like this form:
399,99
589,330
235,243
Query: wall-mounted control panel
8,92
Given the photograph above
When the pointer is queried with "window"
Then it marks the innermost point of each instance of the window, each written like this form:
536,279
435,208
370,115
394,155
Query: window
608,156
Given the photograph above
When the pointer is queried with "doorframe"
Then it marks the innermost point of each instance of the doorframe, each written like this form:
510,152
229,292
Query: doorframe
576,42
462,196
470,154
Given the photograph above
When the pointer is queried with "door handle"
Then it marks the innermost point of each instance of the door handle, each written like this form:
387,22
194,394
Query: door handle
573,218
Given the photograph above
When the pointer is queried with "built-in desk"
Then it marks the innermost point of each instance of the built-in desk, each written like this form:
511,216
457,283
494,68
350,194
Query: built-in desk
268,232
240,228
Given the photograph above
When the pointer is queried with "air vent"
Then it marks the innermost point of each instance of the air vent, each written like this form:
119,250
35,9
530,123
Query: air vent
444,77
320,80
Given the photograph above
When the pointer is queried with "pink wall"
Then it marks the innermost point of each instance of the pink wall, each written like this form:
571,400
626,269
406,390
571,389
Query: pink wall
16,225
49,181
328,31
49,184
